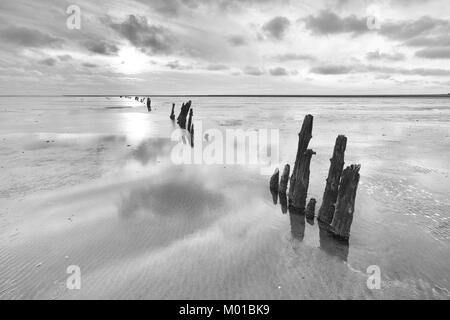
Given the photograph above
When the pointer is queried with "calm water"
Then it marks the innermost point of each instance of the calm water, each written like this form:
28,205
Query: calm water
90,182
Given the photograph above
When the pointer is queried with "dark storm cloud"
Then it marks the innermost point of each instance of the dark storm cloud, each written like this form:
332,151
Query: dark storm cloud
434,53
327,22
253,71
293,57
100,47
279,71
136,29
237,40
25,37
377,55
276,28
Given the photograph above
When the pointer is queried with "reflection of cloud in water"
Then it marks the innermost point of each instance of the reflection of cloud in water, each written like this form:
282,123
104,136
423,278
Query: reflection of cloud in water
177,194
149,150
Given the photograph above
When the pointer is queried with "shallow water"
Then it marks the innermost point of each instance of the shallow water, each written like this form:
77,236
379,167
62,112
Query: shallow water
90,182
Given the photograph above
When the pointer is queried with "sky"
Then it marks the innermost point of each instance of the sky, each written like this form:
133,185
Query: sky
224,47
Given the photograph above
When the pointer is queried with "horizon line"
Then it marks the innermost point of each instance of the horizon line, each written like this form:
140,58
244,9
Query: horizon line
438,95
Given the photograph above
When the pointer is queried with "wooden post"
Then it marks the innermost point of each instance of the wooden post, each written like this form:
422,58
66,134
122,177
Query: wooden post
311,208
192,135
181,120
304,137
274,196
284,179
330,194
300,193
297,221
274,180
283,202
149,104
190,120
172,114
345,205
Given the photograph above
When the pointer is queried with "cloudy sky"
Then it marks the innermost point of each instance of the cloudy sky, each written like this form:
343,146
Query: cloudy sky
225,47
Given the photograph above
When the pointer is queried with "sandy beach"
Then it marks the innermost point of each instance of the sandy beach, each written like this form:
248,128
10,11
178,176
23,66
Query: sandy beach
89,181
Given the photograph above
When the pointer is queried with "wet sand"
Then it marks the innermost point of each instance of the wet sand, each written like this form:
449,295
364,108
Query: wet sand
89,182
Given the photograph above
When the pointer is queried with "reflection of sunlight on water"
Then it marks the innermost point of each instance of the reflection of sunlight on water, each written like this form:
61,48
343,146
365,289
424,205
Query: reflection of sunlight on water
136,126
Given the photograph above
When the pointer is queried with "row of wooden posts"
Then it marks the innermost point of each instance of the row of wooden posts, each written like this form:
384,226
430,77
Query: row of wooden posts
146,100
338,203
183,121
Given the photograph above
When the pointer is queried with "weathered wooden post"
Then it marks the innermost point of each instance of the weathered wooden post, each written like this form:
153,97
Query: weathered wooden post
274,181
284,179
149,104
172,114
190,120
330,194
304,137
181,120
311,208
297,221
283,202
192,135
300,193
345,205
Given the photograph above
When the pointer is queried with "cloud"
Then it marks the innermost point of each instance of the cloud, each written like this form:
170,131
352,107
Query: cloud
65,57
403,30
376,55
237,40
176,65
25,37
332,69
327,22
137,31
434,53
48,62
253,71
293,57
426,41
279,71
217,67
100,47
276,28
89,65
347,69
